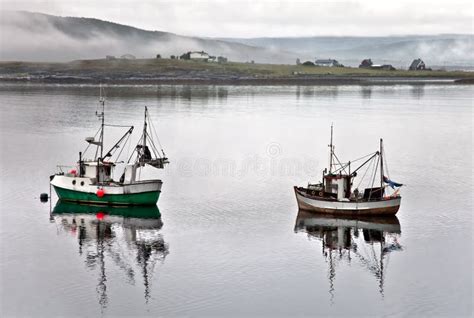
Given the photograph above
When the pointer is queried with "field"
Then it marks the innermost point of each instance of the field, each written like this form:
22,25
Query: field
176,71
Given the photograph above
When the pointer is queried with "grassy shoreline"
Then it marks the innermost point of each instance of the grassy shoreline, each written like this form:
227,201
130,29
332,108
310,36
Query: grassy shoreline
167,71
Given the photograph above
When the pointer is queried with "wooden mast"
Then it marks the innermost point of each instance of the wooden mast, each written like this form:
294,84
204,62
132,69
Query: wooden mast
381,168
330,153
101,115
144,131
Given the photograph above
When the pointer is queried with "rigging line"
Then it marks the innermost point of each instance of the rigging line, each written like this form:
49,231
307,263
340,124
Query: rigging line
373,180
133,152
96,152
157,138
122,126
385,162
352,161
120,153
140,141
339,169
152,143
154,130
88,145
370,154
366,170
129,145
154,148
342,166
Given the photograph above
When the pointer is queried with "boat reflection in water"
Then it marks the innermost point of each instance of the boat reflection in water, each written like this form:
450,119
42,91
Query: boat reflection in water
365,240
126,237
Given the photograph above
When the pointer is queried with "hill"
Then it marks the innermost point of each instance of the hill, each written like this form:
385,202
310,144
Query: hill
27,36
447,51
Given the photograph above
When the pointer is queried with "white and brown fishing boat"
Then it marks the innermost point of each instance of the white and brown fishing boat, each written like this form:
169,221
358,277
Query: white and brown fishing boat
335,194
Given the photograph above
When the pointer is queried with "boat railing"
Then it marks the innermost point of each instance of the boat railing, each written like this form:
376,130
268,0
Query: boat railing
61,167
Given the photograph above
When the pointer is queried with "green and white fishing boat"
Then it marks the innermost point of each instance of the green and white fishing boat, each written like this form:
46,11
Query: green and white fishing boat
91,181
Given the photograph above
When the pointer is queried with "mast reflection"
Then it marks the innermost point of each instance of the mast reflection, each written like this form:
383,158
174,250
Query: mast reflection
127,237
365,240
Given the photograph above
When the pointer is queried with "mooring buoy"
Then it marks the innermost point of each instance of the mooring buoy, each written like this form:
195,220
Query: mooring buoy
44,197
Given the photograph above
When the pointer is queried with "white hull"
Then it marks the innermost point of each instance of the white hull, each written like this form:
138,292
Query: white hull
381,207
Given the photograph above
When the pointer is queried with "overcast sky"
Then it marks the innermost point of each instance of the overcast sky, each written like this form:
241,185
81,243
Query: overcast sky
255,18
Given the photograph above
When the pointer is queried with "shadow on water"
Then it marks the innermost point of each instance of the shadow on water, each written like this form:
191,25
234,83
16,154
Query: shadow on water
124,92
366,92
417,91
331,91
367,241
127,237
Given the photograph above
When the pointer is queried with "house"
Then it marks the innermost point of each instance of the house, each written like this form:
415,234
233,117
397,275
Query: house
128,57
417,65
386,67
367,63
196,55
110,57
185,56
327,63
200,56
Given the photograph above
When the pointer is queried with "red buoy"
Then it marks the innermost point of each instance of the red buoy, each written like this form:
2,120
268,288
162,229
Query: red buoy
100,193
100,215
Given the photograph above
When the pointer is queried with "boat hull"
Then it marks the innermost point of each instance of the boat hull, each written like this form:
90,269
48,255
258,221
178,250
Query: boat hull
143,193
381,207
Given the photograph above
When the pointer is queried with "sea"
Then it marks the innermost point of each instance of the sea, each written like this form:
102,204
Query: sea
226,238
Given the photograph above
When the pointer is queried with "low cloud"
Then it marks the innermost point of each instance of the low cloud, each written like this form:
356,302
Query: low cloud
251,18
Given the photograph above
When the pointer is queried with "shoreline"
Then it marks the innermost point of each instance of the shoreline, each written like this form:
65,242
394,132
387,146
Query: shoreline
360,81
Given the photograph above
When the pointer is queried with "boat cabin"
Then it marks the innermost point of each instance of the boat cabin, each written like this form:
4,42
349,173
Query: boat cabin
100,171
338,185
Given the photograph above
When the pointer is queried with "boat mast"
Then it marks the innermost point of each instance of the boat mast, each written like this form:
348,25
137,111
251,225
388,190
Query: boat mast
144,130
101,116
330,153
381,166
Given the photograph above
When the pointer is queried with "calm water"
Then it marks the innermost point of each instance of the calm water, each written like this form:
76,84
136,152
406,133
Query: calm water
230,240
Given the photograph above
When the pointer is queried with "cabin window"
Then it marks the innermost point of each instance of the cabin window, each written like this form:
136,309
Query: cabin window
73,182
332,188
82,183
106,170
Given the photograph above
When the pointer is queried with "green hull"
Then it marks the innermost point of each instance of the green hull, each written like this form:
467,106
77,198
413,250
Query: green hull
145,198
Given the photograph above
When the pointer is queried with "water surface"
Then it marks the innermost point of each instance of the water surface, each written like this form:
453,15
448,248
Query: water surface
228,238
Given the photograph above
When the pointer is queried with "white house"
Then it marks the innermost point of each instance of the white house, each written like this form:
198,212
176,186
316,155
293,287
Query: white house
327,63
202,56
128,57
